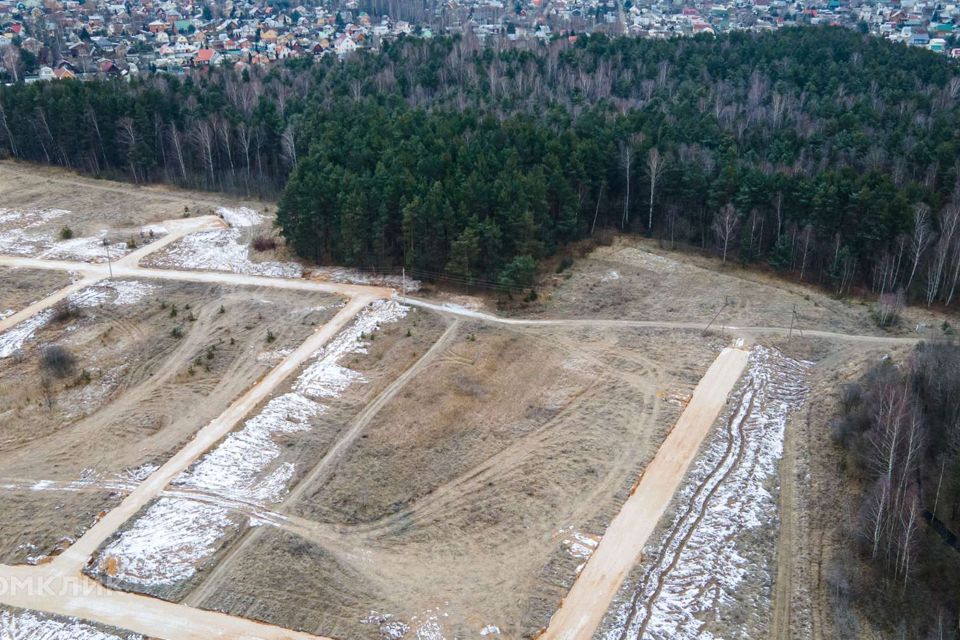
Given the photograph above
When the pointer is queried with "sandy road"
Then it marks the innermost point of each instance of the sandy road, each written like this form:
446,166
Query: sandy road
582,611
48,590
747,332
324,467
76,556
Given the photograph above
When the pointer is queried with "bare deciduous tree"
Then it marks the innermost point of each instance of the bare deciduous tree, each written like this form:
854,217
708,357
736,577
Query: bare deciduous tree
655,165
725,224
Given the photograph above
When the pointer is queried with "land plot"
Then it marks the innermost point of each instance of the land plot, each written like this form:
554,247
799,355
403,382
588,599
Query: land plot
174,544
98,391
478,491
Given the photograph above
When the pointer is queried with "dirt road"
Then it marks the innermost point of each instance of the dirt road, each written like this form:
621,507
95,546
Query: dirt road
583,609
746,332
48,590
353,431
76,556
100,271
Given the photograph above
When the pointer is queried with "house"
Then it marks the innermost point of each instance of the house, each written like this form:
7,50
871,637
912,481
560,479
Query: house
64,73
206,58
344,45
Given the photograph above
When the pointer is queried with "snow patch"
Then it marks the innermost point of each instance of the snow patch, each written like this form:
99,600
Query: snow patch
240,217
702,559
345,275
124,292
87,249
30,625
241,471
13,339
610,276
220,250
166,543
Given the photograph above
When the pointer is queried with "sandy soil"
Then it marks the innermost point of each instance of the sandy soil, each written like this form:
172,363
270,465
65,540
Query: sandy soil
585,605
101,203
461,504
20,287
144,390
386,356
634,279
811,538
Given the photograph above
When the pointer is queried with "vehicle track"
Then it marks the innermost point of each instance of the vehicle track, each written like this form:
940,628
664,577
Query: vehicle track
583,609
695,510
325,466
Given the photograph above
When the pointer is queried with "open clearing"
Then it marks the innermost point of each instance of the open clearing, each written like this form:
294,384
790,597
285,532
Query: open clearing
154,362
219,446
21,287
633,279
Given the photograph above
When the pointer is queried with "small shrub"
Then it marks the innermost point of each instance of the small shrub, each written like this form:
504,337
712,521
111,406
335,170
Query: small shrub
65,311
222,310
131,243
565,263
66,233
264,243
173,311
270,336
887,311
176,332
58,361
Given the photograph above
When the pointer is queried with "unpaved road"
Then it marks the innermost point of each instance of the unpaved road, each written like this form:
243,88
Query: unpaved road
45,589
76,556
582,611
100,271
353,431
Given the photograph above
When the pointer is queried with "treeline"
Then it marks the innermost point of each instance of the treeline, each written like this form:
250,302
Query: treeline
820,151
901,427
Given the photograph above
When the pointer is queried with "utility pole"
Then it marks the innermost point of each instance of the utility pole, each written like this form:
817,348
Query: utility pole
106,246
403,285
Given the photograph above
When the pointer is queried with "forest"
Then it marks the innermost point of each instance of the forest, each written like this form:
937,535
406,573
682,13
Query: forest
899,425
821,152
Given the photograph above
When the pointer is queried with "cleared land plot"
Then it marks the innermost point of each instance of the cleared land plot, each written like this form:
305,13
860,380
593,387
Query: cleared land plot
96,204
473,496
630,280
51,213
149,363
21,287
20,623
234,489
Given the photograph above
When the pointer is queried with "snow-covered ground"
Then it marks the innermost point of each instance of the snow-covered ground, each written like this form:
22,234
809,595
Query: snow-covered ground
177,534
30,625
240,217
704,558
345,275
427,625
22,233
220,250
123,292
